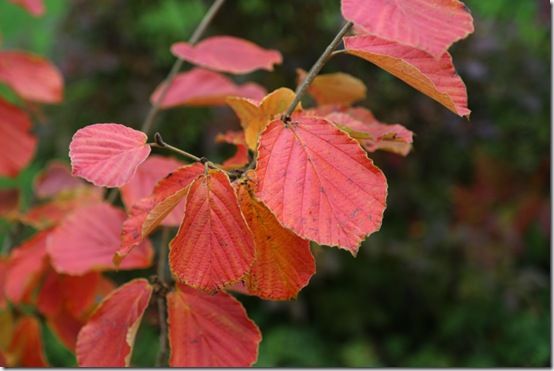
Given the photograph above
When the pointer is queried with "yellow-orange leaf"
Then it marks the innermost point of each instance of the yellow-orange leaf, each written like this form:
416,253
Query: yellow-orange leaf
335,88
254,117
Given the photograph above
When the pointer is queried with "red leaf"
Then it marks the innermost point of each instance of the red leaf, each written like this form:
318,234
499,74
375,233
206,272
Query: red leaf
3,278
26,265
26,347
66,328
284,263
429,25
32,77
210,330
108,337
148,174
54,179
319,182
148,213
87,240
227,54
200,87
213,246
240,158
9,203
435,78
107,154
34,7
376,135
16,140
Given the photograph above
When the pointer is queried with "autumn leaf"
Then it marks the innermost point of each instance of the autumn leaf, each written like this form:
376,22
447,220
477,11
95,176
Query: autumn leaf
284,263
435,78
240,158
376,135
16,140
431,26
210,330
255,116
334,88
107,155
213,246
201,87
32,77
26,264
54,179
149,212
87,240
34,7
26,348
148,174
227,54
108,338
319,183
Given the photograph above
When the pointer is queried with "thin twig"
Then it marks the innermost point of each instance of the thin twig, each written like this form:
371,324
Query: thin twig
161,297
318,65
200,29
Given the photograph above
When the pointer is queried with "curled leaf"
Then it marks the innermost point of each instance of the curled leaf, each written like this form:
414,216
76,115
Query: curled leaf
335,88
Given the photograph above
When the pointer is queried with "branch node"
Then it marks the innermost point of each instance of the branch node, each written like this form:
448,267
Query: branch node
159,140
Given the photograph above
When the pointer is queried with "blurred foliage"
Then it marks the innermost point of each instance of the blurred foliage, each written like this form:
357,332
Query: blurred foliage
458,274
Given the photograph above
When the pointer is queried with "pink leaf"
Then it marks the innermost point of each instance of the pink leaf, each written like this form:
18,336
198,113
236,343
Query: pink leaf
34,7
87,240
227,54
200,87
107,154
54,179
32,77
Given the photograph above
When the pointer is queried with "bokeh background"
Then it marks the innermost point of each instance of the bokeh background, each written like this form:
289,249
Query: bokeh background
458,274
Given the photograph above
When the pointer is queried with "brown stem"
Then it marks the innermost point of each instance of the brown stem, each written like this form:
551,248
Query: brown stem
318,65
200,29
161,359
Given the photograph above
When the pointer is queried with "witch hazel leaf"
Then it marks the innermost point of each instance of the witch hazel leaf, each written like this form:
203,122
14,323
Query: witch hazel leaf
201,87
254,116
108,338
32,77
428,25
240,158
149,212
34,7
435,78
54,179
210,330
16,140
319,182
214,245
284,263
87,240
107,155
26,264
26,348
375,135
148,174
334,88
227,54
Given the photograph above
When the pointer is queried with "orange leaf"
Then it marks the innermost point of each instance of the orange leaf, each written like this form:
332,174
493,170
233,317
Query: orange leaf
213,246
210,330
108,337
435,78
16,140
254,117
26,349
107,155
284,263
149,212
32,77
319,182
240,158
429,25
87,240
334,88
227,54
200,87
394,138
148,174
26,265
